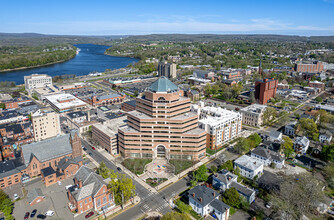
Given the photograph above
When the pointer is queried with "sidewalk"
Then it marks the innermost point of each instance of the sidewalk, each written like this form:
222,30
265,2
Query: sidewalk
125,170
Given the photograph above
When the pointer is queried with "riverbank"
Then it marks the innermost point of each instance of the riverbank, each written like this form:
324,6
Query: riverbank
121,55
31,67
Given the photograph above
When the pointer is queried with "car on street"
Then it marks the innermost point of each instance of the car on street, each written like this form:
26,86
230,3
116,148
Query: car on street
89,214
16,197
41,216
33,213
119,169
93,148
49,213
84,149
26,216
90,153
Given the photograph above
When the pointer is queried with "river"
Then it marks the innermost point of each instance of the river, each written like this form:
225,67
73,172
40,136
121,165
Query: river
91,58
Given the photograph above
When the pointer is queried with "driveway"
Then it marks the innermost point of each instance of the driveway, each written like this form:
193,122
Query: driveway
240,215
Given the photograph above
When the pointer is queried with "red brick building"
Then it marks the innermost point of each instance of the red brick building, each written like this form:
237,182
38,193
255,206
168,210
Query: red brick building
15,102
314,67
97,101
89,192
317,84
265,89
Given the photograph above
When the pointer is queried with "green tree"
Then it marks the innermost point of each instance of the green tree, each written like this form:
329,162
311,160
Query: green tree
228,165
242,146
207,89
327,153
6,205
308,128
2,105
283,118
269,115
184,208
318,99
213,169
175,216
252,97
231,197
201,174
287,146
103,170
255,138
122,188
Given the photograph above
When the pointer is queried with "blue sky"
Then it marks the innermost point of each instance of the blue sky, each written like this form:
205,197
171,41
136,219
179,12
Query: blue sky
125,17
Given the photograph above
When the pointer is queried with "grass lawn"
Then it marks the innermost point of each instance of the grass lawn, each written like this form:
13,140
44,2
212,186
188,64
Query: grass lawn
136,165
181,165
232,211
155,181
211,152
195,215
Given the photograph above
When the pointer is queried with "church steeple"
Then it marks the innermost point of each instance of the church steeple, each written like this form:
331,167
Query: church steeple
76,144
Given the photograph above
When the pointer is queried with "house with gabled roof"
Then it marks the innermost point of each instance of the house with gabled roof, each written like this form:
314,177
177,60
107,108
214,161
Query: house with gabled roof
249,167
301,145
205,201
89,192
267,157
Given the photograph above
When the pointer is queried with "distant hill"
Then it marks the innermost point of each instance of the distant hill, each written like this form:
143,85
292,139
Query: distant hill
35,39
227,37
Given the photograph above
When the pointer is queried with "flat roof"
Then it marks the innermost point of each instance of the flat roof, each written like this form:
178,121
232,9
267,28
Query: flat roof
56,100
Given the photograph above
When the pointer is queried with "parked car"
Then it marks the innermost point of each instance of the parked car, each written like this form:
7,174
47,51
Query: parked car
41,216
268,205
26,216
89,214
16,197
59,183
119,169
93,148
33,213
49,213
84,149
90,153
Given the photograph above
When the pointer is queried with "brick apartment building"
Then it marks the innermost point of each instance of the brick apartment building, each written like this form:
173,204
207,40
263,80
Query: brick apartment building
265,90
313,67
317,84
162,126
89,192
16,102
40,155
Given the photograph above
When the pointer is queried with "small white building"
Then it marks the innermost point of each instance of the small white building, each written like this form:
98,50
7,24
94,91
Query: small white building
301,145
249,167
275,136
205,201
325,136
290,129
267,157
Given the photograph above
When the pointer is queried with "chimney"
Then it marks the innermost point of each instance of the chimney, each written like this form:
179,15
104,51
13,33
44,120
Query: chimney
80,184
88,115
194,195
200,199
255,162
214,194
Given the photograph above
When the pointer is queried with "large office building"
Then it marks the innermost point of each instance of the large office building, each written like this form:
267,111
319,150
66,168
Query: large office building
220,124
253,115
35,81
265,90
162,126
310,67
45,124
167,69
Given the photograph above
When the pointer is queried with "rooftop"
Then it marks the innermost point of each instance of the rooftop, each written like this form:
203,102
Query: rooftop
255,108
64,101
248,162
163,84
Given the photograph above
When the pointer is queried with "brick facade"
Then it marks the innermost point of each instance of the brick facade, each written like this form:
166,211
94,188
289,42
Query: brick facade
265,90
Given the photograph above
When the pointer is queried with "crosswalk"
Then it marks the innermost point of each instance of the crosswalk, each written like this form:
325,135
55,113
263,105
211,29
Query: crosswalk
148,195
162,207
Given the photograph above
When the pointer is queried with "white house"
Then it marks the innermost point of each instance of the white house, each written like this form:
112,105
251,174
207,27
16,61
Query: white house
290,129
301,145
249,167
224,180
267,157
205,201
325,136
275,136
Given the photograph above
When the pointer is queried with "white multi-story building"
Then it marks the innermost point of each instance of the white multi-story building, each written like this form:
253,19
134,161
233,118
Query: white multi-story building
222,125
253,115
35,81
249,167
46,124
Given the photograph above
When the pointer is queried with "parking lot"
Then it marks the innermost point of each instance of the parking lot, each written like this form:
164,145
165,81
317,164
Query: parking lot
55,200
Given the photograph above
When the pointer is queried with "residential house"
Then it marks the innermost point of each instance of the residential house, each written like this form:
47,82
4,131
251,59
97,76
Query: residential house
289,129
325,136
205,201
267,157
89,192
301,145
249,167
275,136
224,180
